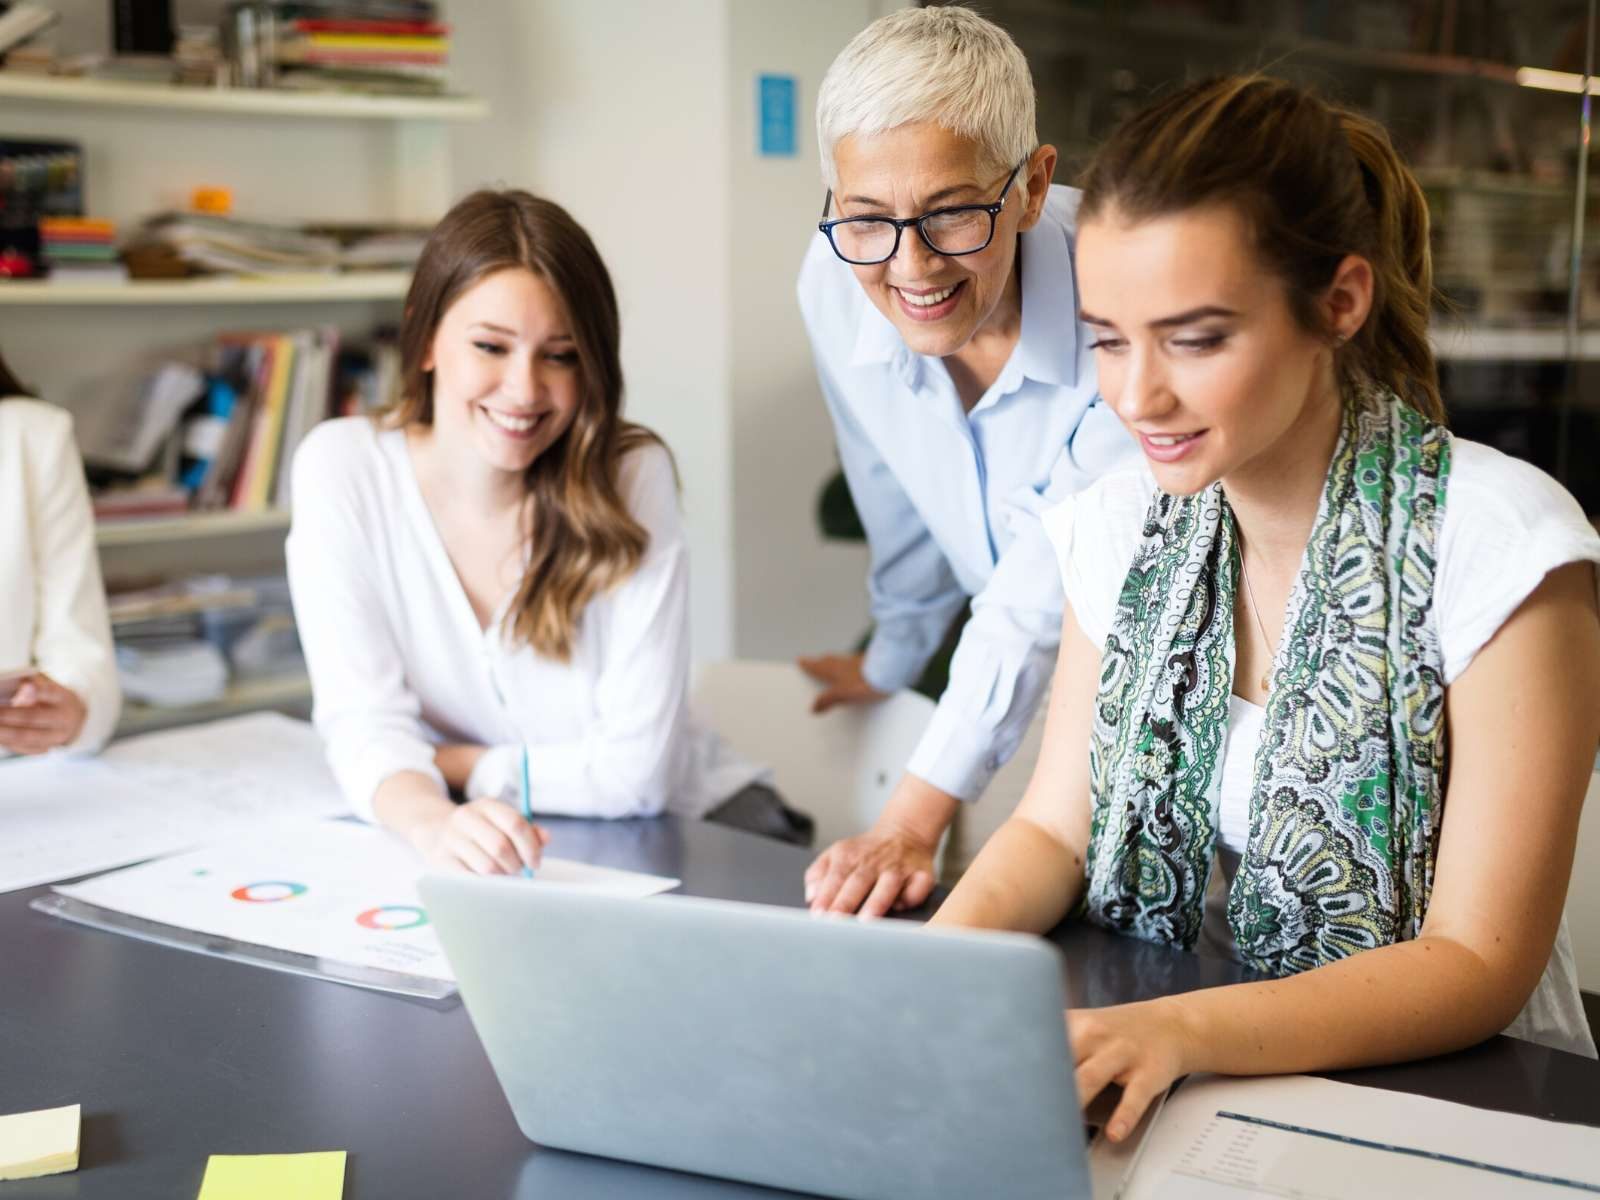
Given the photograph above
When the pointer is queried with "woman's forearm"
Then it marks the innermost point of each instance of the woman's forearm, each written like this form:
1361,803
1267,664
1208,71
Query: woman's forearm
1405,1001
409,801
1024,879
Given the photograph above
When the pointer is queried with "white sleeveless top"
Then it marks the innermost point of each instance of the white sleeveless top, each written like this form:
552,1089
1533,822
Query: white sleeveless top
1506,526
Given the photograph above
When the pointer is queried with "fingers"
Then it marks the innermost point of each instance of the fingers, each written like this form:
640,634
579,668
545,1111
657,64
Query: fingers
511,825
917,889
29,717
818,870
488,837
884,893
1140,1088
27,742
854,890
469,856
26,696
826,699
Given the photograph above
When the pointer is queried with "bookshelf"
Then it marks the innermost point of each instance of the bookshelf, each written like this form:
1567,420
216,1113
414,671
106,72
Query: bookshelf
253,101
192,528
1499,344
332,157
299,289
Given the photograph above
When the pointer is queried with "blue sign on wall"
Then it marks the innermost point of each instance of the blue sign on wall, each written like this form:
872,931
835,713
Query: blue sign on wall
775,97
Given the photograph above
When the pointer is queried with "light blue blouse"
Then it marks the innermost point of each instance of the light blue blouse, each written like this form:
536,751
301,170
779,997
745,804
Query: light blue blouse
951,500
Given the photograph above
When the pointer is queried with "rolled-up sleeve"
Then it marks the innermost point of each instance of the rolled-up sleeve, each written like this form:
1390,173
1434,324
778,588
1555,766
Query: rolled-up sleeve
368,716
1004,662
914,596
72,633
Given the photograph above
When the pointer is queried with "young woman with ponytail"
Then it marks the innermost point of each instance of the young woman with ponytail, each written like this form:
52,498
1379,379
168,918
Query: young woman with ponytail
1328,692
491,582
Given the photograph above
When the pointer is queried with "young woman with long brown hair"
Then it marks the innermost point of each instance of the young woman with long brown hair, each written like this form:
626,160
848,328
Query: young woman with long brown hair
1328,692
497,569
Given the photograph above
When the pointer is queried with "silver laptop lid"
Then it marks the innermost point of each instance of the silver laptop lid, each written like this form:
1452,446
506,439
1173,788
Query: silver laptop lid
846,1058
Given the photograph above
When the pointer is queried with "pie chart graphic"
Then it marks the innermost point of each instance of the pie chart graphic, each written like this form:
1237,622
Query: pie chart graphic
392,916
268,891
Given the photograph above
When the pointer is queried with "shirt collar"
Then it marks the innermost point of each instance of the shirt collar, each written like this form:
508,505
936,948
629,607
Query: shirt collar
1047,349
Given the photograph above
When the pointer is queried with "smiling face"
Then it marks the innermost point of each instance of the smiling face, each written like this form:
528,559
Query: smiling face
936,302
1198,351
506,379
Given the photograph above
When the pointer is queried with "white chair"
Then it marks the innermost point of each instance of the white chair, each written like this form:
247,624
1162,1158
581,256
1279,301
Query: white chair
839,767
1583,895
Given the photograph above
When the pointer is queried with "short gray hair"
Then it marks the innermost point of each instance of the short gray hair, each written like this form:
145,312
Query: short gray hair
946,65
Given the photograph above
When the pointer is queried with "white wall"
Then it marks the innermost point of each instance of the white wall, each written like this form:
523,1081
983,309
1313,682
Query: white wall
794,592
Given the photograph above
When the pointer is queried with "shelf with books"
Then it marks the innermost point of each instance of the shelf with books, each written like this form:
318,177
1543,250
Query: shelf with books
289,692
1480,343
294,289
1067,29
255,101
226,523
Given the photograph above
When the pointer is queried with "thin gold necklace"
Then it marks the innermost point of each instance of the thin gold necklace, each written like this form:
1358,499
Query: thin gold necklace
1266,676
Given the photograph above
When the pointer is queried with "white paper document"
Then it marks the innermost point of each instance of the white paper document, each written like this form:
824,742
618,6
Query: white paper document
1314,1139
65,815
334,890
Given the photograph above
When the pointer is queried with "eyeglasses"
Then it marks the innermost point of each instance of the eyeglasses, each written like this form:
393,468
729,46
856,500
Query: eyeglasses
951,232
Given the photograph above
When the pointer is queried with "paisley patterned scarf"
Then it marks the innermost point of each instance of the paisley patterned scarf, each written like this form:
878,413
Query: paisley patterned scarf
1347,794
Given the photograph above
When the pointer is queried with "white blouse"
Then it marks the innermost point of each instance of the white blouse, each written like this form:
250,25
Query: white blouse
399,662
54,616
1506,526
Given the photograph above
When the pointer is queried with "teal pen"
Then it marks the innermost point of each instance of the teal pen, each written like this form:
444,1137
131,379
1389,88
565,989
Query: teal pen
527,803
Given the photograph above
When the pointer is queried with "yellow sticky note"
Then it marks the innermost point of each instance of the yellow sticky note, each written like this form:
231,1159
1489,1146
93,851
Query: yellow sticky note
274,1176
39,1143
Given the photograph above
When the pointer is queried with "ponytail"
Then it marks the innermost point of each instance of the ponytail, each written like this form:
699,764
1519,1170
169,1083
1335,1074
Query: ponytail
1392,347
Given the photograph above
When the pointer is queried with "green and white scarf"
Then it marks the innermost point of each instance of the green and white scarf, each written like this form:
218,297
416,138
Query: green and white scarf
1347,794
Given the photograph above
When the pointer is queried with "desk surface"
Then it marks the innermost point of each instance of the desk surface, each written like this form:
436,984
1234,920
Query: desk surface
175,1056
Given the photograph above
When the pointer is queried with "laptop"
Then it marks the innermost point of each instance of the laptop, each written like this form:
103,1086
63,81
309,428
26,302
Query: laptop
838,1057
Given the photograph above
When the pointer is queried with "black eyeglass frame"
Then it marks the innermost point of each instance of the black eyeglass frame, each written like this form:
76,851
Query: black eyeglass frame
901,224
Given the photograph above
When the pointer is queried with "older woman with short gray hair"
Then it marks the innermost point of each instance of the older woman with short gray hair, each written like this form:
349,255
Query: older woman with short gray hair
939,299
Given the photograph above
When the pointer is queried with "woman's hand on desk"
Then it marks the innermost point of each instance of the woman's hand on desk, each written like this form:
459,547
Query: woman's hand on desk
486,837
841,679
41,716
1144,1047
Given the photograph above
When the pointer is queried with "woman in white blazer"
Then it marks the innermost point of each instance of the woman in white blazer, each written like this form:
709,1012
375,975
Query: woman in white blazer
58,677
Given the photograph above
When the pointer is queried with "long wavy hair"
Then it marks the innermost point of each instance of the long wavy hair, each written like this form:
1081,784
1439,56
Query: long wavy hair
10,385
581,538
1314,183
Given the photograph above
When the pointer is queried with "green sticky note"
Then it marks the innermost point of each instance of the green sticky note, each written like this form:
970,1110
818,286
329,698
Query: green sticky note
274,1176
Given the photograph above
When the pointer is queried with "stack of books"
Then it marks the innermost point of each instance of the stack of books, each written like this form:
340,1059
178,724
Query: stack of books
197,53
281,384
186,243
361,47
80,250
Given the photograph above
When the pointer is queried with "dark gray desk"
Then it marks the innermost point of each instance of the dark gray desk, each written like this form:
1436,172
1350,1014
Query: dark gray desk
175,1056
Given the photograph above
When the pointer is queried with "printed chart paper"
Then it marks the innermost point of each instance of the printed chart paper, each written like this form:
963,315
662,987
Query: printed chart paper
1314,1139
65,815
334,890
